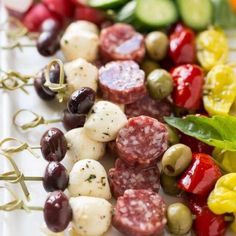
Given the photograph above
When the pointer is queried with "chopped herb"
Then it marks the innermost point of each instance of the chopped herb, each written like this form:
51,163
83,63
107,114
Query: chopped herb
103,181
106,134
66,41
90,178
87,165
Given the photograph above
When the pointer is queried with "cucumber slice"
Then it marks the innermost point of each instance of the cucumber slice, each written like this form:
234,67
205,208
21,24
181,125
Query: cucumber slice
156,13
196,14
106,4
127,13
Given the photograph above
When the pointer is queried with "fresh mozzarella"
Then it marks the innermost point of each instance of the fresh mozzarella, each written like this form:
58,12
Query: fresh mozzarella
89,178
17,6
104,121
82,147
82,25
79,44
91,216
81,73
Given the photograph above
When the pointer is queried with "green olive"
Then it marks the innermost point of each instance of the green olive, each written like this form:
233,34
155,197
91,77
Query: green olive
179,218
149,65
173,137
176,159
169,184
160,84
157,44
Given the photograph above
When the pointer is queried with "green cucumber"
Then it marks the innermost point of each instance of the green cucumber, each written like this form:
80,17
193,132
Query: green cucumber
127,13
197,14
106,4
156,13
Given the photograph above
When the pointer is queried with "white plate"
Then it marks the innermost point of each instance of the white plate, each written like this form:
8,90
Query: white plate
21,223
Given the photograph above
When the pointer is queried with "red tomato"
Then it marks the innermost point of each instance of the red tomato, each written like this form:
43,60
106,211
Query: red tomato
201,175
90,14
188,81
182,45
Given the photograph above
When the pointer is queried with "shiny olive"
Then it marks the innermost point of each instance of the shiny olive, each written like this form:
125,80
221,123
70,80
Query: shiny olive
157,44
160,84
149,65
50,25
81,101
55,177
173,137
176,159
57,212
169,184
53,145
48,43
179,218
72,121
42,91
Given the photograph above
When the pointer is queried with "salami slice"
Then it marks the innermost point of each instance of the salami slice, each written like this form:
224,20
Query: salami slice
149,107
142,141
123,177
121,42
122,82
140,213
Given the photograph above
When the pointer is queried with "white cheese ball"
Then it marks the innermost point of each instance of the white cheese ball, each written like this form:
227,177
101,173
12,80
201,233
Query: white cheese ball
104,121
91,216
82,25
82,147
89,178
80,43
81,73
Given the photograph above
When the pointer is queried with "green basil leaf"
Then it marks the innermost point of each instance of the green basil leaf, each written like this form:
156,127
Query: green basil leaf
218,131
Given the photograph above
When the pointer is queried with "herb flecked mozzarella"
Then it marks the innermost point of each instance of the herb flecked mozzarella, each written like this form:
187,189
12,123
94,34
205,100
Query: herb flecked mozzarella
89,178
91,216
104,121
80,40
80,73
83,147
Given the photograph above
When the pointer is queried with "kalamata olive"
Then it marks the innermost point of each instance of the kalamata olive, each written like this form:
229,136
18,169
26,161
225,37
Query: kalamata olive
179,218
160,84
53,145
157,44
50,25
173,137
57,212
42,91
55,177
169,184
81,101
72,121
149,65
48,43
176,159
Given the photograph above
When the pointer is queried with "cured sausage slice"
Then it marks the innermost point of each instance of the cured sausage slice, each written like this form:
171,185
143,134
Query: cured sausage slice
149,107
139,213
121,42
142,141
122,82
123,177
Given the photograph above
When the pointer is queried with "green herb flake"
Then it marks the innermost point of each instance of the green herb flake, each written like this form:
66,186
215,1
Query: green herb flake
90,178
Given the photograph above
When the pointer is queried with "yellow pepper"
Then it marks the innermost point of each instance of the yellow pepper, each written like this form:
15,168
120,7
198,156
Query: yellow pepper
219,91
212,48
223,198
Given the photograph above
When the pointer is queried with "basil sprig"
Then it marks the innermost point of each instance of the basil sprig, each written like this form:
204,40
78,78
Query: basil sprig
218,131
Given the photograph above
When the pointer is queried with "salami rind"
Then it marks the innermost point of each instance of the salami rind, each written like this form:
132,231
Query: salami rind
149,107
139,213
121,42
123,177
142,141
122,82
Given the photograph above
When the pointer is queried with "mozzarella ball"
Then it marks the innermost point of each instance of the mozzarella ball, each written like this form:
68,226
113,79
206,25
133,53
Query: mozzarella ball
82,147
82,25
81,73
77,42
104,121
91,216
89,178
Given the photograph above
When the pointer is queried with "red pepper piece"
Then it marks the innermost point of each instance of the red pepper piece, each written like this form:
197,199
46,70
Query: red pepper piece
182,45
206,223
188,83
201,175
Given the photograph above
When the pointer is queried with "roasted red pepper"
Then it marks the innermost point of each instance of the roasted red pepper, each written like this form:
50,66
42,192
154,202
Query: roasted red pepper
206,223
201,175
182,45
188,83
